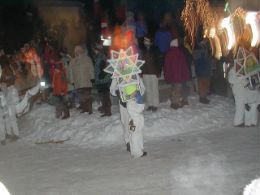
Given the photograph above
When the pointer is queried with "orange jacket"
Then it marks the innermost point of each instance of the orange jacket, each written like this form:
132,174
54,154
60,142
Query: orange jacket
59,81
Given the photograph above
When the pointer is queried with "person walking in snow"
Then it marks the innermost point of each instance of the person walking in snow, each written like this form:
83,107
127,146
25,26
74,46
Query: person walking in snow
132,118
177,74
60,90
246,100
83,74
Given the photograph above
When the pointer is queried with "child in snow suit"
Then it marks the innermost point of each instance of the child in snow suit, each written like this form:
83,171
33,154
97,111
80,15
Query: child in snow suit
60,90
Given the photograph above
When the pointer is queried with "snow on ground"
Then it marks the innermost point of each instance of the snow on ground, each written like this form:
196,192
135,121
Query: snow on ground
191,151
253,188
91,131
217,162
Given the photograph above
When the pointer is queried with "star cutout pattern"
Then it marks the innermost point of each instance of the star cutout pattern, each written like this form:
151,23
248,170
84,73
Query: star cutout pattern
125,68
247,65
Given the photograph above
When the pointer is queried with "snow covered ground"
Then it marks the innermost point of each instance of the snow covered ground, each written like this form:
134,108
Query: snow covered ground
91,131
191,151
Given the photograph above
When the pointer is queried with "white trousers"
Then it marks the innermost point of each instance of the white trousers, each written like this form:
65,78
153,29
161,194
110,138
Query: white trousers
245,96
2,126
152,90
136,137
125,118
11,121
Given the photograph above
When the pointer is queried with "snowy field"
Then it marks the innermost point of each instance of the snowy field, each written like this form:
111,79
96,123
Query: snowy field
191,151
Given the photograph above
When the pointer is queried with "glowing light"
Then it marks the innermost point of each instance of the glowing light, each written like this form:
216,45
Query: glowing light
212,32
125,67
3,190
42,83
226,23
251,20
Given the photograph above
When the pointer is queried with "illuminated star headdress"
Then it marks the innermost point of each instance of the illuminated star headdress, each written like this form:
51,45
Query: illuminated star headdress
248,66
125,68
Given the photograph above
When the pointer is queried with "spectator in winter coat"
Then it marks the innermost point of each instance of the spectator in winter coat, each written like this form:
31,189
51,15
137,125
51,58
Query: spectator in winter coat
176,73
102,80
162,40
246,100
201,55
150,72
60,90
83,75
141,28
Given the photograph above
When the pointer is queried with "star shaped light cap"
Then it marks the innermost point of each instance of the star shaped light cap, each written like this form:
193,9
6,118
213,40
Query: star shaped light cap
123,63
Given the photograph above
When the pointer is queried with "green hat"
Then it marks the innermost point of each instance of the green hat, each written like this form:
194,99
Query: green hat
130,89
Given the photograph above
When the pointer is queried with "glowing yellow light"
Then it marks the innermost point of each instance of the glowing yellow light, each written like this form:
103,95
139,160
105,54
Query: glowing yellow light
212,32
226,23
251,20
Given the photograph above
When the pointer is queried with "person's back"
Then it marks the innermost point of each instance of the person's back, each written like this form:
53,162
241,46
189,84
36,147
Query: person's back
176,67
162,40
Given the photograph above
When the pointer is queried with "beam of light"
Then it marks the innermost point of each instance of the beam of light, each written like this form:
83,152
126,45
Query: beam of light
226,23
3,190
251,20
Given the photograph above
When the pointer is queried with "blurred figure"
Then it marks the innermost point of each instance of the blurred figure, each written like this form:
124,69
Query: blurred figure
246,100
176,73
60,90
162,40
141,28
83,75
201,56
150,72
12,99
102,79
2,115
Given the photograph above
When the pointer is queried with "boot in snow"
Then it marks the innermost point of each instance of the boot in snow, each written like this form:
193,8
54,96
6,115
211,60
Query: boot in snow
14,138
144,154
3,142
128,149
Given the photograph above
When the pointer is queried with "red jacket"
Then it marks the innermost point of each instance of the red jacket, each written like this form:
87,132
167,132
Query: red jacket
175,66
59,81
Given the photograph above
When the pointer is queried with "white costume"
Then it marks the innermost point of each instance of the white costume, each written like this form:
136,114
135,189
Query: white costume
12,99
2,115
10,107
243,95
135,112
132,111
